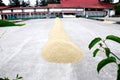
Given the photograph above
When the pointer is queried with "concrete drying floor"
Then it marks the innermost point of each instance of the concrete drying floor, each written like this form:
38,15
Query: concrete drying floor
20,50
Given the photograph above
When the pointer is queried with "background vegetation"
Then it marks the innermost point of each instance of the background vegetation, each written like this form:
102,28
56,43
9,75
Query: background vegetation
1,3
4,23
18,3
117,9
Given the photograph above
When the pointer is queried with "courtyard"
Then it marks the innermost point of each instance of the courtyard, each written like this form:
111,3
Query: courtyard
20,50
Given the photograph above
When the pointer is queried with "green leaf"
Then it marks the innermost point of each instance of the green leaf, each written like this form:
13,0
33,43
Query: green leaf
118,72
107,51
95,52
113,38
20,77
94,41
1,79
6,78
105,62
17,76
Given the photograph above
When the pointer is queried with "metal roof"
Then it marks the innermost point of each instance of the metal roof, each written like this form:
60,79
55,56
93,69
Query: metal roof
3,7
82,4
68,4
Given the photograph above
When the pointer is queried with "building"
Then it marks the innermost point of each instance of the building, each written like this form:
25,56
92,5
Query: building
77,8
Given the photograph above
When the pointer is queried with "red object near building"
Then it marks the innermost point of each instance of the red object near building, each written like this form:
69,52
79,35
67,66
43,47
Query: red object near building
85,4
3,7
82,4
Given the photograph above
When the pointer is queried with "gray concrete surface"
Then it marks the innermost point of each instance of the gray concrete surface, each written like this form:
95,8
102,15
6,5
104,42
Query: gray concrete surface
115,19
21,47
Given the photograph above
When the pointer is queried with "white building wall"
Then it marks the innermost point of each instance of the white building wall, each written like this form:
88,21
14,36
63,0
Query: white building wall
111,1
0,17
115,1
80,9
67,9
17,10
40,10
53,10
112,12
29,10
6,11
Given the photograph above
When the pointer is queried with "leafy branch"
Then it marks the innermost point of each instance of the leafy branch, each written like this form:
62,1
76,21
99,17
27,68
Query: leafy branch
110,56
17,78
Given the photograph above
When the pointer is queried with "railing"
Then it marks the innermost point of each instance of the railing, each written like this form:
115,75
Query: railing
95,13
53,14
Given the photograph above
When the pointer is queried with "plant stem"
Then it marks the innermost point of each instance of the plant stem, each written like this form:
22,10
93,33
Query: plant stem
110,51
115,56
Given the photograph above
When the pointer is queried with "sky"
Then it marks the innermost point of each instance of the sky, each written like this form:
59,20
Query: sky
32,2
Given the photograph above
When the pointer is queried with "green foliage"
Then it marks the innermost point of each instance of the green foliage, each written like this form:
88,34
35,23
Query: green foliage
14,3
53,1
95,52
4,78
114,38
110,56
17,78
93,42
1,3
24,4
105,62
118,72
117,8
43,3
19,24
107,51
4,23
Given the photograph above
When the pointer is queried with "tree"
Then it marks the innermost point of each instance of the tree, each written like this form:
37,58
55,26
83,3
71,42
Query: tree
1,3
14,3
28,2
24,4
38,3
53,1
10,2
117,9
43,3
57,1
